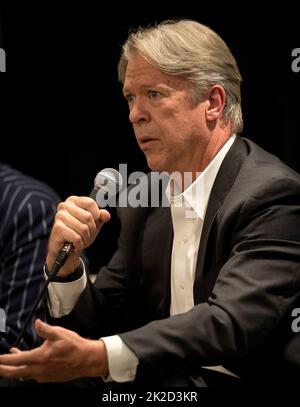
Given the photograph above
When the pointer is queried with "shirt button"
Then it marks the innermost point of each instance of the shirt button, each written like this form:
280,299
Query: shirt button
182,286
184,239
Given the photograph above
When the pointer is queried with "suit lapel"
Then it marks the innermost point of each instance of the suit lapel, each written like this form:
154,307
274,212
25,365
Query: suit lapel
156,260
225,178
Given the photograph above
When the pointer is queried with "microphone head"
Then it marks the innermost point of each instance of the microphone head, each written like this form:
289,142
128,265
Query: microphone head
108,182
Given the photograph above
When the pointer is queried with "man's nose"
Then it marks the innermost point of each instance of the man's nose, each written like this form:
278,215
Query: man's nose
138,112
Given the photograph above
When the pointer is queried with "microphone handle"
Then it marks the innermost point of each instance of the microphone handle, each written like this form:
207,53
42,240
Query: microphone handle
59,262
60,259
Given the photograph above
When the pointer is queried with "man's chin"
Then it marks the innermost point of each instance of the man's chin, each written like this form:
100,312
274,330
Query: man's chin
157,163
155,166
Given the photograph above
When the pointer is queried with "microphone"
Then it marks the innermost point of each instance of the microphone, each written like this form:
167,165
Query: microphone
107,185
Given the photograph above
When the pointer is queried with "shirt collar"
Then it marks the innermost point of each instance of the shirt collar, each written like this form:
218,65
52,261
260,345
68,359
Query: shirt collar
195,197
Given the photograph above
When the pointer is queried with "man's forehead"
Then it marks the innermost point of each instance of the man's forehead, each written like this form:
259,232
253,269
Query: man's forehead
141,72
138,67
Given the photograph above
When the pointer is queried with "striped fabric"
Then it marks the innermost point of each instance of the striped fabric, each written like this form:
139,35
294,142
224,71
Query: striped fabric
27,209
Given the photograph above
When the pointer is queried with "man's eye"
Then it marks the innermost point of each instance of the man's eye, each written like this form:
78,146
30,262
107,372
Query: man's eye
129,98
153,94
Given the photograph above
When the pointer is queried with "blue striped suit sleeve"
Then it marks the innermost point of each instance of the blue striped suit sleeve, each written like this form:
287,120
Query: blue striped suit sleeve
27,213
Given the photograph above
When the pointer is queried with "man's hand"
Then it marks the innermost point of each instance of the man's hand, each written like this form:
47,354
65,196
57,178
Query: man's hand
63,356
78,220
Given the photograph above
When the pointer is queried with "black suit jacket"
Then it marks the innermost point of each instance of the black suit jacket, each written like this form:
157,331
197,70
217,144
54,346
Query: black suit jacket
247,277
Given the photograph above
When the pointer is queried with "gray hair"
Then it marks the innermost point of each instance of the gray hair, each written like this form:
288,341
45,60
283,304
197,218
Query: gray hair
190,50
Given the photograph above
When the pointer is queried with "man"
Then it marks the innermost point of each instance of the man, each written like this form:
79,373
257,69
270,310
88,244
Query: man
186,300
27,210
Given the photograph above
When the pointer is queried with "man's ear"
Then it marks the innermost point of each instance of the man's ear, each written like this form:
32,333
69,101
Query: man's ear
216,102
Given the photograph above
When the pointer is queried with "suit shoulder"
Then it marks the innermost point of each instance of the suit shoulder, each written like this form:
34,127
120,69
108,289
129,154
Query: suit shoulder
18,188
263,171
267,164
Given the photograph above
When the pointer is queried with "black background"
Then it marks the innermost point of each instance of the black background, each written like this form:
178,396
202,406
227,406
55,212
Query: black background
63,117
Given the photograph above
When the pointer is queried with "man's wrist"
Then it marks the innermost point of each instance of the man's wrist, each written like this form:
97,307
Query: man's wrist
96,364
76,275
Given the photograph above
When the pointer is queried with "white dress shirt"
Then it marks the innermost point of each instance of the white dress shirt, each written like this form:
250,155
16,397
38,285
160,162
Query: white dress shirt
188,211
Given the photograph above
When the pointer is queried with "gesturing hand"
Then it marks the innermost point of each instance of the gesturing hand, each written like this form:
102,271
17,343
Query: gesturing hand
63,356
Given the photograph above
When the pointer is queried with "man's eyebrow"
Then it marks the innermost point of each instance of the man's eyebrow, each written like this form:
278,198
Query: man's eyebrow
148,85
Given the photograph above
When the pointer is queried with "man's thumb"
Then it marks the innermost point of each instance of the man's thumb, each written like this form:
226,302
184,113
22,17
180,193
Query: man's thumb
44,330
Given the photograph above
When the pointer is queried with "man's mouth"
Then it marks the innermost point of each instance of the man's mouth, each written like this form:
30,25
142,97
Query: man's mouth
147,142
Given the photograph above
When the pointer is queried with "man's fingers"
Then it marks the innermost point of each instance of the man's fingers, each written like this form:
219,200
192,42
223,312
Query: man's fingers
90,205
24,372
12,372
17,358
14,350
21,358
81,204
84,216
104,216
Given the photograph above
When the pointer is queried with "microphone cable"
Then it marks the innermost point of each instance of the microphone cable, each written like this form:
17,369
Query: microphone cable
59,262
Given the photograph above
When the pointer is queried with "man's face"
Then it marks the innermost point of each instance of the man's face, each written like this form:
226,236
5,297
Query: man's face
168,128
